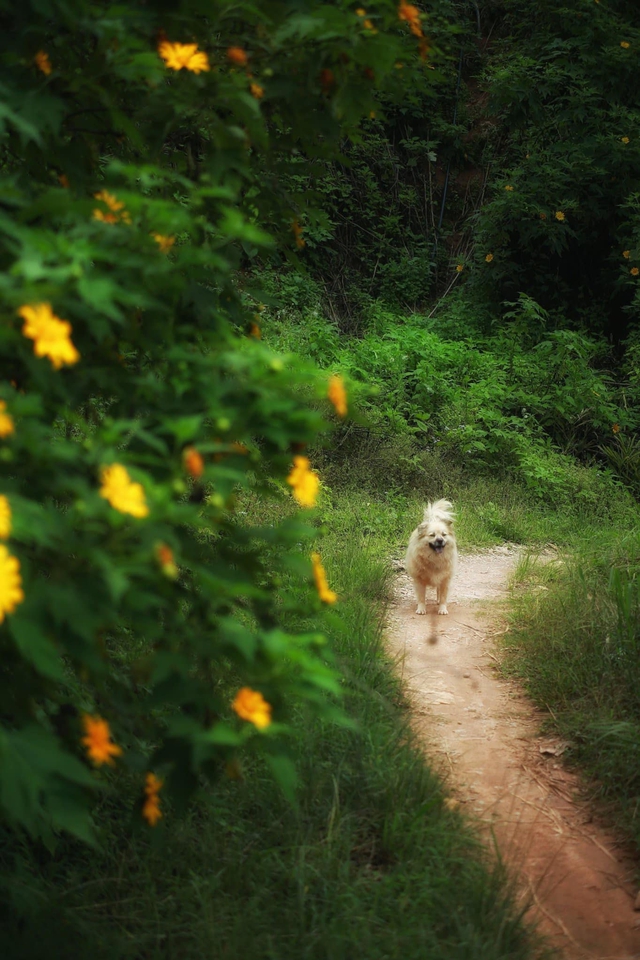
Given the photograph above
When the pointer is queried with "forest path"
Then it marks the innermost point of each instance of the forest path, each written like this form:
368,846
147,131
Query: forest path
575,875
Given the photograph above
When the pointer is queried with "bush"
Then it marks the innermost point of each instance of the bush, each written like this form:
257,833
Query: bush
140,151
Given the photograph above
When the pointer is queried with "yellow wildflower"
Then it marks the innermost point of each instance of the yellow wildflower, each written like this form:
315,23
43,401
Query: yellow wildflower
179,56
489,257
320,577
410,13
361,12
165,243
615,428
42,62
559,215
459,267
256,91
305,482
338,395
151,807
297,232
193,462
100,747
122,493
626,254
625,44
237,55
509,188
250,705
10,582
49,333
116,212
634,271
6,421
164,556
624,139
5,518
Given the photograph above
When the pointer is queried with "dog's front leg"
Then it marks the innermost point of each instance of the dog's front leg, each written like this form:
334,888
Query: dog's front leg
420,590
442,593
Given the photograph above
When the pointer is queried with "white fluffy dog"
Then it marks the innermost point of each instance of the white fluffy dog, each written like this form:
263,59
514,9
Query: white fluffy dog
432,554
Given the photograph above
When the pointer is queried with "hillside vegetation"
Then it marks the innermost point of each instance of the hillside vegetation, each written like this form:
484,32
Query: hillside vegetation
273,276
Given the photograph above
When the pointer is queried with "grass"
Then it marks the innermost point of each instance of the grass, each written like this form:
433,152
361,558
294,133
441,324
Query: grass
371,862
575,642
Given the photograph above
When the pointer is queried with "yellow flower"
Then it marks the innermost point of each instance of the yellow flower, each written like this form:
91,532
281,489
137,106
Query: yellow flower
179,56
560,215
615,428
338,395
361,12
5,518
305,482
624,139
634,271
320,577
459,267
251,705
256,91
42,62
49,333
237,55
509,188
410,13
121,492
10,582
625,44
164,556
6,421
489,257
193,462
297,232
626,254
151,807
100,747
165,243
116,207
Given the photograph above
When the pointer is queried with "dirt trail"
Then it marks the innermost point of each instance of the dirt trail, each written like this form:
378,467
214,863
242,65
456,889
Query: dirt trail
576,876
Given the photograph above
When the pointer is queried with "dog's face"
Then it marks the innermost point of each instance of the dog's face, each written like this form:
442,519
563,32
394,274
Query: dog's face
436,533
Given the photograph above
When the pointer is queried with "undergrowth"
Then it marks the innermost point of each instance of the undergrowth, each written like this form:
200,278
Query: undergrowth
371,862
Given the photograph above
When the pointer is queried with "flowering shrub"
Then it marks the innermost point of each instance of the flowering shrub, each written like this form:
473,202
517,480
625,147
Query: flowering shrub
142,622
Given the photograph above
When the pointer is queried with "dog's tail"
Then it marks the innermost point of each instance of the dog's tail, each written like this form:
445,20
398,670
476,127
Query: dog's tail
441,509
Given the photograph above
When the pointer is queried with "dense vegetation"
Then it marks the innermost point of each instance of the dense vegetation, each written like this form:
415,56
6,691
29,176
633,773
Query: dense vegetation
221,224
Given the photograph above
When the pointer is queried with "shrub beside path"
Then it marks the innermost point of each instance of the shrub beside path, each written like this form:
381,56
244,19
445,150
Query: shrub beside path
576,876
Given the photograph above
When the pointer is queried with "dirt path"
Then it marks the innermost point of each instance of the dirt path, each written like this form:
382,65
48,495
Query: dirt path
486,731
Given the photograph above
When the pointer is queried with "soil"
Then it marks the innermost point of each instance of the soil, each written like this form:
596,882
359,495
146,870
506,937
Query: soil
576,876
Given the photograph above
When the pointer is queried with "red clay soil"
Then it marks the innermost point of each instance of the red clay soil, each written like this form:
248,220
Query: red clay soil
575,875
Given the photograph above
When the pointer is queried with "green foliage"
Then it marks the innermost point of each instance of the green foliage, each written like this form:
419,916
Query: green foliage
370,863
562,201
526,400
131,192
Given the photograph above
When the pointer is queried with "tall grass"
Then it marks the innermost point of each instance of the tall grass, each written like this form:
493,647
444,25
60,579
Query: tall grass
370,863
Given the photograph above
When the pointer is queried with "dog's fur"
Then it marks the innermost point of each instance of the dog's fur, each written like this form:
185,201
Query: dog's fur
432,554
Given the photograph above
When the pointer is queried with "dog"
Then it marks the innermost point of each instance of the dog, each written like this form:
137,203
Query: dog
432,554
